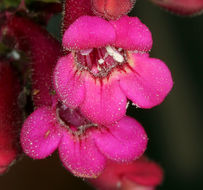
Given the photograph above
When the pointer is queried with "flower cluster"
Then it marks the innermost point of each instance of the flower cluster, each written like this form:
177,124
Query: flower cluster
81,89
106,64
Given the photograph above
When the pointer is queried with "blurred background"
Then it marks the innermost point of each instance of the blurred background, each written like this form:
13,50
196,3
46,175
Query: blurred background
174,128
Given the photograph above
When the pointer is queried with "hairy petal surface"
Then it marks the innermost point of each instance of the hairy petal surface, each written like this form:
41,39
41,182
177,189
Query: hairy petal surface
40,134
68,84
74,9
132,34
112,9
43,50
81,156
123,141
149,83
88,32
104,101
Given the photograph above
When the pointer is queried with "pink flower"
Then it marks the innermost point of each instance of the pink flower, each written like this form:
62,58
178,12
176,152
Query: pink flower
108,64
183,7
141,174
83,146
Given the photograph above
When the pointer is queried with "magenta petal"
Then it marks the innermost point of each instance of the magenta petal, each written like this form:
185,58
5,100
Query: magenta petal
67,82
104,101
149,84
132,34
40,134
124,141
81,156
88,32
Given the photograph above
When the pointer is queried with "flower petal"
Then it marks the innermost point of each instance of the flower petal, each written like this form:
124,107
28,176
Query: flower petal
67,82
104,101
40,135
131,34
149,84
88,32
81,156
124,141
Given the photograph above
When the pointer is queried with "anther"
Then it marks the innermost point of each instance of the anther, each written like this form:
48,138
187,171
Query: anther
115,54
86,52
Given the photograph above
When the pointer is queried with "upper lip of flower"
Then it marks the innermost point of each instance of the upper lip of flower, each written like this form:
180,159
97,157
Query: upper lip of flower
93,32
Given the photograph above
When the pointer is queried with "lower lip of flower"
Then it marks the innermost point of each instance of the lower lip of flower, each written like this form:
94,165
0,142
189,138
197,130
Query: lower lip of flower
73,121
100,62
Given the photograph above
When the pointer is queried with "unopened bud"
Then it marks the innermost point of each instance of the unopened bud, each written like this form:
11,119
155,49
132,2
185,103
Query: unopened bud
181,7
112,9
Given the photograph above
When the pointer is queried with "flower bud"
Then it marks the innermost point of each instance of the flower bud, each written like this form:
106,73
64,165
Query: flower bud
182,7
112,9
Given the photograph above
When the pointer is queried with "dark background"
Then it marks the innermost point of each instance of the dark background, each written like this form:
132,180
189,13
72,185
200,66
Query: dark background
174,128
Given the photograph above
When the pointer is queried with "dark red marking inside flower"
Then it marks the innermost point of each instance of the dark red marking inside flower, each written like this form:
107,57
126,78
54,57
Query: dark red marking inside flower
100,61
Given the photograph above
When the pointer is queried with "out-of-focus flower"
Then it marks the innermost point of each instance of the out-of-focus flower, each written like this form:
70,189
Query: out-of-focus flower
182,7
108,64
10,116
112,9
43,51
83,146
141,174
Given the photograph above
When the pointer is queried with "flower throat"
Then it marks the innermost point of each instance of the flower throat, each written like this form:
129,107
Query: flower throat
100,61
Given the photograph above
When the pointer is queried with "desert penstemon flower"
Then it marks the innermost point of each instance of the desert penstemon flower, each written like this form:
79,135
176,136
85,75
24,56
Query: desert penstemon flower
109,63
83,146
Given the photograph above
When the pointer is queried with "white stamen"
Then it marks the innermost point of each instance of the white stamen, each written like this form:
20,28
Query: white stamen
64,107
120,49
127,104
101,61
14,54
118,185
86,52
115,54
99,68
